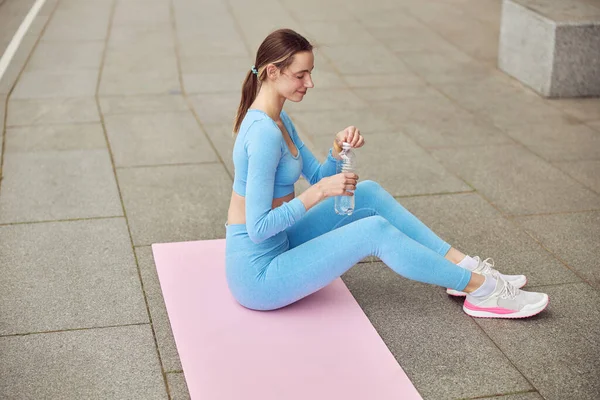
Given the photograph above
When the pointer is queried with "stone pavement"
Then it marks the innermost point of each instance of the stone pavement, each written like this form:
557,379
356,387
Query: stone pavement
118,135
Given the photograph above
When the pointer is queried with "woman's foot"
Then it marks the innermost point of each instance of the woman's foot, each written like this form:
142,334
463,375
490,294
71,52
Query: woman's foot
486,267
505,301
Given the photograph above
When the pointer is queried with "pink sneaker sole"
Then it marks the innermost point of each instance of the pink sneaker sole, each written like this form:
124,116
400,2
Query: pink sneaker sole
499,312
458,293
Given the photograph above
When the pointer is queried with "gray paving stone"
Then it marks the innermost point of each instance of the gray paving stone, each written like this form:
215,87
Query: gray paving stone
422,39
61,56
585,172
328,123
439,68
55,137
142,104
586,109
222,138
572,237
216,108
559,142
207,82
46,84
134,83
175,203
459,129
52,185
117,362
143,13
127,35
551,350
383,80
52,111
204,64
385,94
520,396
219,46
156,139
594,125
160,319
430,336
68,275
516,181
138,56
326,33
327,99
177,386
400,166
72,29
358,59
473,226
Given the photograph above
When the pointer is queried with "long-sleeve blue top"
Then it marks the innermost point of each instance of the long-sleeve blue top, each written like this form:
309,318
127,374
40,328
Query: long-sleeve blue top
265,170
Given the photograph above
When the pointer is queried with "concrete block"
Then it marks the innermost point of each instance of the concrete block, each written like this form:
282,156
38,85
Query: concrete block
552,46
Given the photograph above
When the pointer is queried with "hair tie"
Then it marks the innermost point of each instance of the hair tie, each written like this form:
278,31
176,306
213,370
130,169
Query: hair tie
254,70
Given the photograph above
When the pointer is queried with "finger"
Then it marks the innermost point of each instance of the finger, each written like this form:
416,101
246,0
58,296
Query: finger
360,142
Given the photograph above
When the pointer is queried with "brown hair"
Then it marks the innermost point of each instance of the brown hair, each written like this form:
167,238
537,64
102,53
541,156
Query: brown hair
278,48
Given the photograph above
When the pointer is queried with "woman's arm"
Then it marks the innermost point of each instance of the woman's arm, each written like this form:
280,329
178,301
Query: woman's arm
263,146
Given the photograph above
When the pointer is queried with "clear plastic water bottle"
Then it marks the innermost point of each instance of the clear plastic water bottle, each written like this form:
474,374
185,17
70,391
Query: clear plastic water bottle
344,205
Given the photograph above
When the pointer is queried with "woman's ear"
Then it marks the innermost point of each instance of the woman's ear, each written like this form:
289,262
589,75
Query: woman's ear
272,71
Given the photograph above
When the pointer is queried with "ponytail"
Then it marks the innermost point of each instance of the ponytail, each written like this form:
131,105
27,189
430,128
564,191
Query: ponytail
249,92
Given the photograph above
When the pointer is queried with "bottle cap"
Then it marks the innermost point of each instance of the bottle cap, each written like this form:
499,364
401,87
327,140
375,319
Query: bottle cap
346,146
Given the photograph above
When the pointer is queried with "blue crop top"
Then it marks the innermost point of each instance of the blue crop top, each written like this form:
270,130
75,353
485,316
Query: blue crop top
265,170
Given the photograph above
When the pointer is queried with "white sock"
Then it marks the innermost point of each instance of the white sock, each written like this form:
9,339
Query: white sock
468,263
486,288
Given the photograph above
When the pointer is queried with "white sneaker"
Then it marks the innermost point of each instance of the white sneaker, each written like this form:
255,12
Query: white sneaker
506,301
486,267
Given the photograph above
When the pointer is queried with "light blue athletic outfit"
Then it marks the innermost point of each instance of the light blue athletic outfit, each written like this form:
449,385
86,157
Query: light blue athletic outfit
282,255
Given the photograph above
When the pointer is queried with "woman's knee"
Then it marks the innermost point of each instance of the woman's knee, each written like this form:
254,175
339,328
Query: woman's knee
368,186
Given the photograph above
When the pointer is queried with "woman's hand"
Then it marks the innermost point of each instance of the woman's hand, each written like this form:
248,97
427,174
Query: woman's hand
338,185
349,135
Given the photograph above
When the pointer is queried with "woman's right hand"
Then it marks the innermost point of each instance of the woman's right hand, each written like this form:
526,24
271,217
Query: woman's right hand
338,185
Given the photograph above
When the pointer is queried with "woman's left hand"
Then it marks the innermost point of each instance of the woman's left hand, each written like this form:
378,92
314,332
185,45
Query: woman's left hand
350,135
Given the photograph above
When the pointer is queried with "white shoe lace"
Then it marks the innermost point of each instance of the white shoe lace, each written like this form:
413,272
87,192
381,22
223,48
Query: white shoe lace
486,267
508,291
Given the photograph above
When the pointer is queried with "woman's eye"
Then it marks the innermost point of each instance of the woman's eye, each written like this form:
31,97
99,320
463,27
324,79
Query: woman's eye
300,77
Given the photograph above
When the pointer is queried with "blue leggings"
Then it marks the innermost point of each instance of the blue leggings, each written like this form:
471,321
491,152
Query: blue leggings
323,245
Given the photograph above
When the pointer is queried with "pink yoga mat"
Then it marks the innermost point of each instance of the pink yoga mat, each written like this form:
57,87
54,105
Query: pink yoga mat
322,347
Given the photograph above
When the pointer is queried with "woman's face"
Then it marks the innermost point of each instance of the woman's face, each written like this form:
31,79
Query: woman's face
294,81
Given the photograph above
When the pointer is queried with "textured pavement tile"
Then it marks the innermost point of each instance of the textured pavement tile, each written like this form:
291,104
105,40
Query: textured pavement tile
142,104
132,83
420,109
551,352
460,129
444,68
160,319
439,347
327,99
137,58
156,139
383,80
222,138
61,56
217,108
473,226
204,64
70,29
559,142
358,59
329,123
128,35
394,93
422,39
177,386
572,237
118,362
585,172
53,185
145,13
197,45
55,137
595,125
516,181
67,275
213,82
45,84
399,165
520,396
326,33
52,111
175,203
583,109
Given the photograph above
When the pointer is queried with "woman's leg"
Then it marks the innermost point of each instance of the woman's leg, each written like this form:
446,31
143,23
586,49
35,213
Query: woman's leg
371,199
314,264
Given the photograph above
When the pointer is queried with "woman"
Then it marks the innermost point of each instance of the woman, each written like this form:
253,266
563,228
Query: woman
281,248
